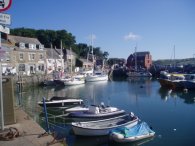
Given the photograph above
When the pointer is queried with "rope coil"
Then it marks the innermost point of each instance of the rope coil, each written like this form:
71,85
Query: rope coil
9,134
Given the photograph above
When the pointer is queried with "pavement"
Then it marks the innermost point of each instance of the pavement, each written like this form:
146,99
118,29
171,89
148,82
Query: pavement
28,133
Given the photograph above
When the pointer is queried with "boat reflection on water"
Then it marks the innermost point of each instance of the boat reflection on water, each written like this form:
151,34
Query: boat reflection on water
137,143
164,93
189,96
139,86
139,80
105,141
91,141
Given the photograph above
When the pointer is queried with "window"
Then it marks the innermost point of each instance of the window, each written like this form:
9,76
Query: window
22,45
31,56
32,46
41,57
7,56
21,56
41,47
21,67
41,67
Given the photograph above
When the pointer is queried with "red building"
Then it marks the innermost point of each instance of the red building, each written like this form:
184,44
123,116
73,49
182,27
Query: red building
139,60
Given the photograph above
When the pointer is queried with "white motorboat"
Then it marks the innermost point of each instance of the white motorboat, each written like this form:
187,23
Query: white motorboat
95,112
77,109
96,77
74,81
61,102
135,133
103,127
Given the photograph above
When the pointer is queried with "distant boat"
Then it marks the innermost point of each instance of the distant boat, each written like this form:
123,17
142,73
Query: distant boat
58,102
96,77
135,133
74,81
136,72
189,82
103,127
171,80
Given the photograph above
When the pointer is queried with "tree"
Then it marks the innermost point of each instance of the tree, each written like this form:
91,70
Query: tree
48,37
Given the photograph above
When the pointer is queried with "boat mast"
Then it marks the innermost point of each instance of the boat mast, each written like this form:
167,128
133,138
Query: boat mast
174,55
71,60
61,56
136,57
92,49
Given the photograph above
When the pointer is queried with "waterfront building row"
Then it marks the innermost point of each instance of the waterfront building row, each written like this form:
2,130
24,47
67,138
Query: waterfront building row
27,56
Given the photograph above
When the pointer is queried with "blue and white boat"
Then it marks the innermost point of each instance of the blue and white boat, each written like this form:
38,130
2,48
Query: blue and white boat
135,133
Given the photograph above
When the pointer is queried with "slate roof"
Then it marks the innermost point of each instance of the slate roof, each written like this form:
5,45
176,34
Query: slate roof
26,40
68,52
52,53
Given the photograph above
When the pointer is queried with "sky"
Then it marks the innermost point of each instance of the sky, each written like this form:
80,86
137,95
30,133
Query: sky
117,26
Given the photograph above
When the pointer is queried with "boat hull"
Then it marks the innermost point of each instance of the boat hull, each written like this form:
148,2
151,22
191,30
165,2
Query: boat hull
86,115
102,127
96,78
72,83
121,139
138,132
62,103
189,84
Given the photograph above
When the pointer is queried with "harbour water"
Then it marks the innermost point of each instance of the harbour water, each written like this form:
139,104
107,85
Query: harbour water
169,113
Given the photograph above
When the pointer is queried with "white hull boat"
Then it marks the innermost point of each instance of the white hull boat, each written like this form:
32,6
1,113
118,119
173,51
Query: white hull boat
103,127
135,133
96,112
77,109
96,77
74,81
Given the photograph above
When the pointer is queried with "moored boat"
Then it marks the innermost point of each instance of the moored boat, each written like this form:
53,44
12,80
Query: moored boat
189,82
171,80
135,133
95,112
74,81
61,102
103,127
96,77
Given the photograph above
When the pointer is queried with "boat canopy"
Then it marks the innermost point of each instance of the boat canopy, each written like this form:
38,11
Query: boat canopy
137,130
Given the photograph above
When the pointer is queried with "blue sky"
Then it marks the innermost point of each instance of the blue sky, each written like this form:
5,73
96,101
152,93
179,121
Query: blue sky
118,25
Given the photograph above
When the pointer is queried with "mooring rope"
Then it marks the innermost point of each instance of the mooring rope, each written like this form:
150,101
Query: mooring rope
9,134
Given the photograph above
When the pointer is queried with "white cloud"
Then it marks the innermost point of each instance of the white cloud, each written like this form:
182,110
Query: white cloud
132,37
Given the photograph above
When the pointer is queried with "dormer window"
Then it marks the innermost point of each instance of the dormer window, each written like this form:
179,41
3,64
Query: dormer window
32,46
41,47
22,45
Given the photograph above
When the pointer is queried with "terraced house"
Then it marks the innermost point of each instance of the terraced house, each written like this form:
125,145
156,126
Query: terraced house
24,56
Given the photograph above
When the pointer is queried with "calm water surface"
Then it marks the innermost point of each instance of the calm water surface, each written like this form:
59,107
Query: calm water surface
171,114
